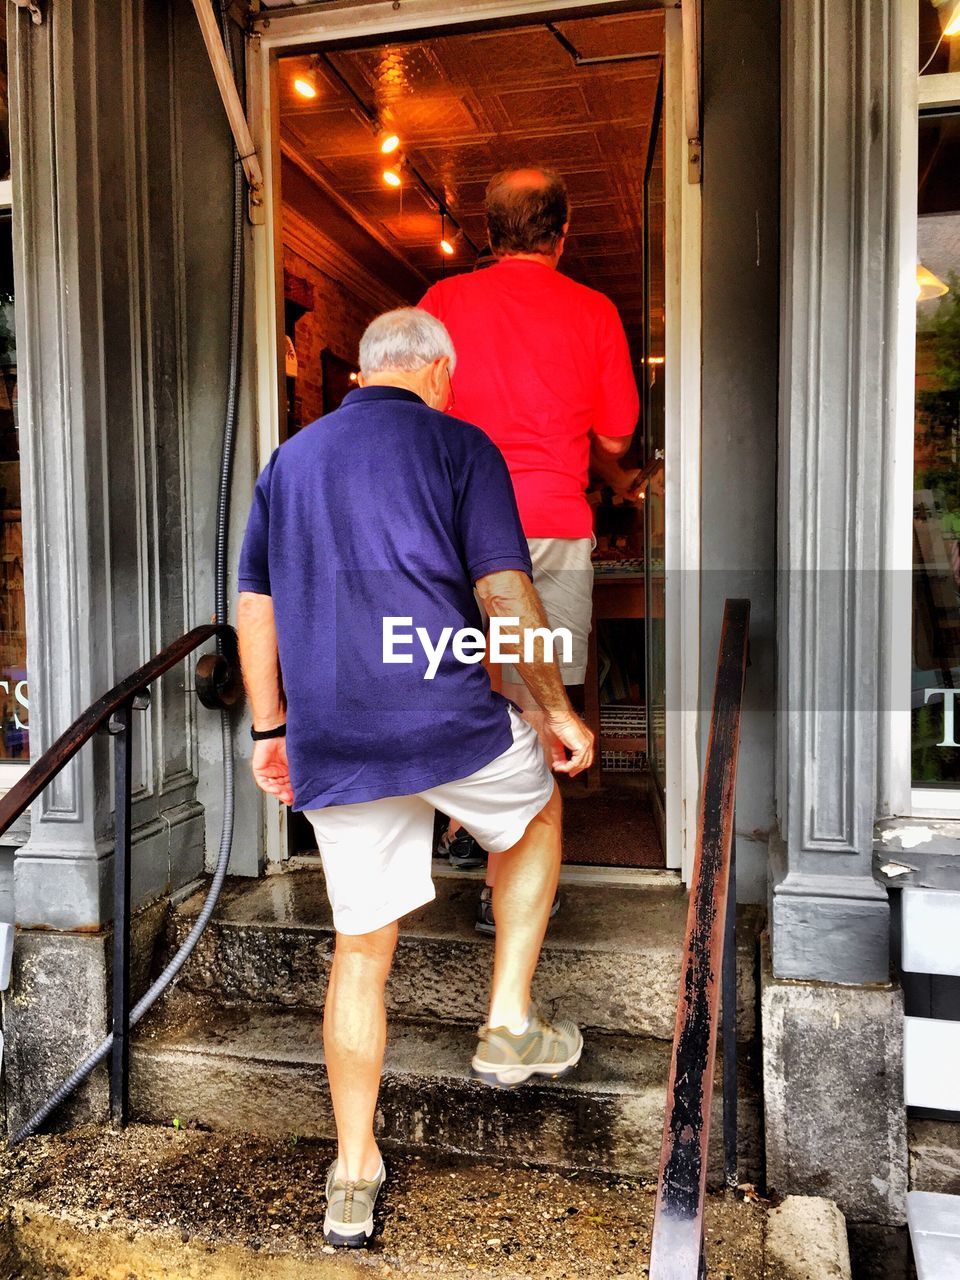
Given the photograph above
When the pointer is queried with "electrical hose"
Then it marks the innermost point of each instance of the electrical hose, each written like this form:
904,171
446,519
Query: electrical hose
157,988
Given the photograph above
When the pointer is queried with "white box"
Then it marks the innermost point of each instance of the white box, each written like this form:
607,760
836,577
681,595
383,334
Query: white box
931,931
935,1234
931,1063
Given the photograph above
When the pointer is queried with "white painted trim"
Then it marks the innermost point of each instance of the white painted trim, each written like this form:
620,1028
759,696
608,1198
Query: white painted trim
681,466
273,815
276,34
936,91
934,802
351,21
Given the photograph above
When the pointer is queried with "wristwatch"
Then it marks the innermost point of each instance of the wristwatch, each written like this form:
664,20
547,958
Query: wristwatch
258,735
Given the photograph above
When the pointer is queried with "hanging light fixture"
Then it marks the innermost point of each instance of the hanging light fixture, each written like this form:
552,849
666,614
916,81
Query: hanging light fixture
948,11
306,88
446,246
929,286
387,141
392,177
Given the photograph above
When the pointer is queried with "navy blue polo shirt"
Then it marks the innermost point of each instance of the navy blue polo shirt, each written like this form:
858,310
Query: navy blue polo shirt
383,509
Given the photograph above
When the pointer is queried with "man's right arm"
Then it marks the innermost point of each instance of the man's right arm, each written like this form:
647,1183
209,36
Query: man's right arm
509,593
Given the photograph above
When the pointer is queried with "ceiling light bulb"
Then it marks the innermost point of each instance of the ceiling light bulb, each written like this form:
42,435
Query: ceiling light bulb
388,142
446,246
392,177
305,88
953,24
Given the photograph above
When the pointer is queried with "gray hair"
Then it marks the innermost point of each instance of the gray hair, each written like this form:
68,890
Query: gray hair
407,339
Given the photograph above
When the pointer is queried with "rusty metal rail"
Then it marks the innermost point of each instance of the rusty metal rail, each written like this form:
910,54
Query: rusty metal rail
217,685
709,960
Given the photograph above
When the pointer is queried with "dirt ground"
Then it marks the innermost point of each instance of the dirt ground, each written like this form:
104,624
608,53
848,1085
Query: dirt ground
262,1200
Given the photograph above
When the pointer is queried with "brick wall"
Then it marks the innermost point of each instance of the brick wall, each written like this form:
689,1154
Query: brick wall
337,321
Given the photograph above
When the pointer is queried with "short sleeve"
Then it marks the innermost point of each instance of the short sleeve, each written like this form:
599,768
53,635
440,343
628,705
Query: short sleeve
431,301
488,523
617,403
254,571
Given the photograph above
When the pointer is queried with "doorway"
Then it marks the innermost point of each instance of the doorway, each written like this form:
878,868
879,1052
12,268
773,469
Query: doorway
358,229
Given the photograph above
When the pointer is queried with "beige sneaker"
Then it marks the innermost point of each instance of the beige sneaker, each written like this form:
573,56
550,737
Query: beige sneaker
544,1049
349,1218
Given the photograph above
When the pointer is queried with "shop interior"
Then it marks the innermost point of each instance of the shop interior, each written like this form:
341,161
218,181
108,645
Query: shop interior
384,154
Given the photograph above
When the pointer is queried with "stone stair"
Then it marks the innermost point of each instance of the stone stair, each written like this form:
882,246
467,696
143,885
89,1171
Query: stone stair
236,1047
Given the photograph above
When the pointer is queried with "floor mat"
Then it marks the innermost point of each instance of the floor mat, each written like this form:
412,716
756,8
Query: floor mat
613,827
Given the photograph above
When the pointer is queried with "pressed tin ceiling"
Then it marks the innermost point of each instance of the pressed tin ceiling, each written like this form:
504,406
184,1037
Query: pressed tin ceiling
466,106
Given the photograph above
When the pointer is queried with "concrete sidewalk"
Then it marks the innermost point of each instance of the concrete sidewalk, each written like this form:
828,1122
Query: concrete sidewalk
155,1203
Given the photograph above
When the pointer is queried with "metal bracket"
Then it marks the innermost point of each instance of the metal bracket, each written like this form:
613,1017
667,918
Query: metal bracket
694,161
218,681
36,17
139,702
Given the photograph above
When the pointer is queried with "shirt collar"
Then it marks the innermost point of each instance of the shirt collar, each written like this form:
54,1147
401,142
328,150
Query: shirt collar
361,394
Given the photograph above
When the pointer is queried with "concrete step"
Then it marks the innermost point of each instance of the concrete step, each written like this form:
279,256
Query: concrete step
611,959
260,1069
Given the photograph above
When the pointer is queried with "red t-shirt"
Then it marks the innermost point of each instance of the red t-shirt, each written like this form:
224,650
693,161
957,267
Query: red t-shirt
541,362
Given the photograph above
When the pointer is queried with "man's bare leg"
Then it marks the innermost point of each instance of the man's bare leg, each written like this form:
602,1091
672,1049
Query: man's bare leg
354,1038
527,878
521,695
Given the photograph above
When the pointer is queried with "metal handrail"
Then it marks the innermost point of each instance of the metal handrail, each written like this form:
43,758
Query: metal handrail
217,685
60,753
709,952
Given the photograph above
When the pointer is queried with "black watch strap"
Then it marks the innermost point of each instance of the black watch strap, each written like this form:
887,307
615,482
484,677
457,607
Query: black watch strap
258,735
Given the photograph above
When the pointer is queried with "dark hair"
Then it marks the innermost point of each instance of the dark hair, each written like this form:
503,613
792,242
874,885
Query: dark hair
526,217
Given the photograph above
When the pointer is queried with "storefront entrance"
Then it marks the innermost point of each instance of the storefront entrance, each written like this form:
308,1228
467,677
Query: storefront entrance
380,154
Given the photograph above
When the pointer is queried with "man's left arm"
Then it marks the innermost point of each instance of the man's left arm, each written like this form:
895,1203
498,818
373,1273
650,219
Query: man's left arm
259,650
260,662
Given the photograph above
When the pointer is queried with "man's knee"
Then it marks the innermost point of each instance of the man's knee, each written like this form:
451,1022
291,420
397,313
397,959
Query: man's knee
551,815
371,950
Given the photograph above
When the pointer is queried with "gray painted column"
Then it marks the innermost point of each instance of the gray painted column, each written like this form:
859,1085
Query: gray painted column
741,299
840,121
100,264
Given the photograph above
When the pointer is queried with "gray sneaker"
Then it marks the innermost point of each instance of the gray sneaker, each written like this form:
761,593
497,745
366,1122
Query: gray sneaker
349,1219
544,1049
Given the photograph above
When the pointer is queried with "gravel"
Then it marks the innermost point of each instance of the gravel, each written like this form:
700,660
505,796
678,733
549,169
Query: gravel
438,1215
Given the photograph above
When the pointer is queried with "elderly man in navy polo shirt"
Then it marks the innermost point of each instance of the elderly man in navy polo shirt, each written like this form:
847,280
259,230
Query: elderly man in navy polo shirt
359,637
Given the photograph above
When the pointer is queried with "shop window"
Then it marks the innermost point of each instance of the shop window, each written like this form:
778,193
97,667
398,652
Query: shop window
936,495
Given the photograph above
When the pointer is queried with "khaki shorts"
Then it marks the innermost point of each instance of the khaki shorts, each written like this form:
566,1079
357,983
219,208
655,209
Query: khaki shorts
563,577
378,854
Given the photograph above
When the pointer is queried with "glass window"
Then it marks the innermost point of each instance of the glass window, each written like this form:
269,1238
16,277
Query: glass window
936,498
939,36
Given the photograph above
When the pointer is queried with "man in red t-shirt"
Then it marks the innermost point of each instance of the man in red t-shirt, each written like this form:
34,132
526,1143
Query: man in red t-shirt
544,368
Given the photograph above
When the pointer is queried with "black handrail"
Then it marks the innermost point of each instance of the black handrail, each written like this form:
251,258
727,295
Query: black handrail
709,952
217,685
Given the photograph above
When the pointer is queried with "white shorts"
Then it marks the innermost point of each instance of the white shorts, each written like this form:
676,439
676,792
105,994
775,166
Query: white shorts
563,577
377,854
